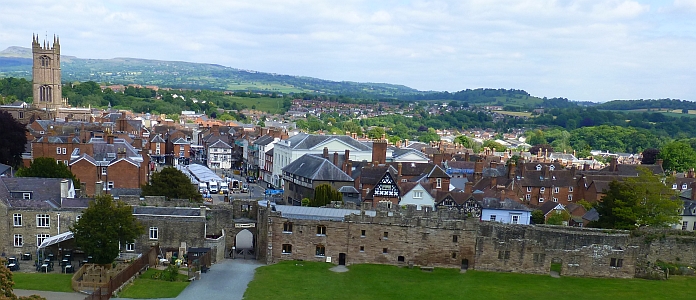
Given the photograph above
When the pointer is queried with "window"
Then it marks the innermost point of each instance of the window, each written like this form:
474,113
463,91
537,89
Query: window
616,262
21,115
362,233
570,197
77,218
103,169
492,218
321,230
554,199
18,240
674,186
515,219
401,258
541,200
417,194
386,235
57,150
438,183
26,196
320,250
110,185
556,190
455,238
65,151
385,250
17,220
154,233
130,247
685,225
43,220
454,254
684,186
41,237
287,227
504,254
527,197
287,249
542,189
362,248
529,189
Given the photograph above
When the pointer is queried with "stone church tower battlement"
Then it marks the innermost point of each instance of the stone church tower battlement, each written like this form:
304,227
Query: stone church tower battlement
46,76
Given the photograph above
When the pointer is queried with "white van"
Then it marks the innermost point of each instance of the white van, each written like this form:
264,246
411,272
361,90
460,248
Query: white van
202,188
213,187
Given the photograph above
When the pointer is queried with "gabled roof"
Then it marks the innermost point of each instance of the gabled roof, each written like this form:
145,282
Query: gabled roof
57,140
316,168
437,172
402,152
348,189
264,140
305,141
157,139
220,144
45,191
547,207
180,141
506,204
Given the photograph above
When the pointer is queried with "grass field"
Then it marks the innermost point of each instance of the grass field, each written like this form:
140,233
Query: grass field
515,113
267,104
310,280
145,287
42,282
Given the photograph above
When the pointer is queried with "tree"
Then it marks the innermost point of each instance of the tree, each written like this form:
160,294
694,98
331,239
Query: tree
465,141
642,201
325,194
538,217
677,156
47,167
6,285
649,156
375,133
103,226
172,184
557,217
12,138
494,145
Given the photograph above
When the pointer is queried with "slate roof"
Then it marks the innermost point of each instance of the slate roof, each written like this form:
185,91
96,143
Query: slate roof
220,144
348,189
459,197
57,139
555,178
180,141
464,165
507,204
264,140
157,139
117,192
400,152
591,215
631,170
305,141
316,168
437,172
372,175
689,208
167,211
4,168
414,169
75,203
549,206
45,191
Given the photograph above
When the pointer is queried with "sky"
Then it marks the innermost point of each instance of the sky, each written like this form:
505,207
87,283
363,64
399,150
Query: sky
596,50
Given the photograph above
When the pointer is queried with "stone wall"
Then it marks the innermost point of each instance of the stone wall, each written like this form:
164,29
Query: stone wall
159,201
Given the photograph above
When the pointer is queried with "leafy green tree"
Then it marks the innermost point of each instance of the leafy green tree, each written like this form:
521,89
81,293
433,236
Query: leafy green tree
642,201
494,145
465,141
649,156
376,133
12,138
325,194
677,156
47,167
557,217
538,217
103,225
172,184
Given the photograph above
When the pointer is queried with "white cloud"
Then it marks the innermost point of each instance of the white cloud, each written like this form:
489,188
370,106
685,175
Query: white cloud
580,49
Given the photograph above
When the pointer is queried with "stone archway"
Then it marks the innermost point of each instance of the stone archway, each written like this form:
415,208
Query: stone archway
244,245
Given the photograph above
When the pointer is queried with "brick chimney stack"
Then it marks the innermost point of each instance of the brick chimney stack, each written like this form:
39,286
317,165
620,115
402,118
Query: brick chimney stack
325,154
379,151
335,159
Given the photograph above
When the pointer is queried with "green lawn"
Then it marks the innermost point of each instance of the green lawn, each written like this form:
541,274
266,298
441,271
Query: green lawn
267,104
42,282
309,280
145,287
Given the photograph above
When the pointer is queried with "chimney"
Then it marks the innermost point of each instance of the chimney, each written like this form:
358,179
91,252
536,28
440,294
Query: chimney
614,164
349,168
693,191
466,156
379,151
355,136
326,153
658,162
437,159
138,143
469,187
523,170
547,171
585,167
405,143
335,159
110,139
572,171
203,210
494,182
399,168
215,130
690,174
478,170
494,164
347,155
511,169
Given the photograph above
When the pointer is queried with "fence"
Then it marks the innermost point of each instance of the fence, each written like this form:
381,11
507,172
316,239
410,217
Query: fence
105,290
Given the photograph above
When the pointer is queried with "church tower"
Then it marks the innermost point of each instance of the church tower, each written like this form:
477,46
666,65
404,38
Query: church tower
46,74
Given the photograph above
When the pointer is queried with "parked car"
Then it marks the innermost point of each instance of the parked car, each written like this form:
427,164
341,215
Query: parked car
251,179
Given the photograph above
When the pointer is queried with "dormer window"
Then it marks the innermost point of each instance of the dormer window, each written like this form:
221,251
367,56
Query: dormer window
538,167
684,186
552,167
674,186
26,196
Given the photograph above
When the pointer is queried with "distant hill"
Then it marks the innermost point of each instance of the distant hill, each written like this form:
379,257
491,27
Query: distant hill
16,61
